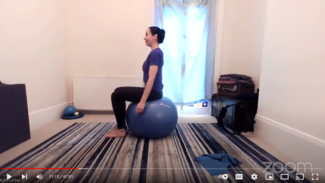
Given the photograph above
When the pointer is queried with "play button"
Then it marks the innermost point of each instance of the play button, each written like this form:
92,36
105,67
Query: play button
8,176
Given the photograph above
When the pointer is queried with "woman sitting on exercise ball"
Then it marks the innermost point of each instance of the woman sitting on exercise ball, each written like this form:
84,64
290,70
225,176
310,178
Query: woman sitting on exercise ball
152,77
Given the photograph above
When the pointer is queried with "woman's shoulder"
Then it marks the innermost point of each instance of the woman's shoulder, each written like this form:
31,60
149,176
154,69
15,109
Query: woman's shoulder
156,56
157,51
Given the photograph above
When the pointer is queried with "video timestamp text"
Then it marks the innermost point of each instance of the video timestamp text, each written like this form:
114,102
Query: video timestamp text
60,176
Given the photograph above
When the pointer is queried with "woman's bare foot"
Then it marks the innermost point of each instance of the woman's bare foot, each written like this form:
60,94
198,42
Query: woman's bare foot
116,133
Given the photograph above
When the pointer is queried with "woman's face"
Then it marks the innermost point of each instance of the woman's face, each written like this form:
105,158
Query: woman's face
149,38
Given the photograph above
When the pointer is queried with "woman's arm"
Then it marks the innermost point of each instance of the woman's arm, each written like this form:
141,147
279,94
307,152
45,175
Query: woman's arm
153,69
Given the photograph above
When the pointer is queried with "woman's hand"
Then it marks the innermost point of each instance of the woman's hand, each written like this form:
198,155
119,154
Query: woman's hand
140,107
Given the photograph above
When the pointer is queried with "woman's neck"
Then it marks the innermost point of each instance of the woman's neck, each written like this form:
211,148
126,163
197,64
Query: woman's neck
154,46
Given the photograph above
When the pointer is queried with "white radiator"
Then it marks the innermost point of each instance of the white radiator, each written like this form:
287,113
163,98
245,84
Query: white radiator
94,92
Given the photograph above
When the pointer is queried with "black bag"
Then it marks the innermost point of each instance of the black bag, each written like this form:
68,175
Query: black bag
235,89
235,84
238,115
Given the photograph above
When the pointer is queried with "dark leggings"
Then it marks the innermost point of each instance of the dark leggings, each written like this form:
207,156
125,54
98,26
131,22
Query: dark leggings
130,94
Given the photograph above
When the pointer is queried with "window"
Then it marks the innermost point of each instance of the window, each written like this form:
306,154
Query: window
185,52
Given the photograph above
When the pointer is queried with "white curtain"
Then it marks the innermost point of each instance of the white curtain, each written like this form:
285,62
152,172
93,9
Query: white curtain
189,48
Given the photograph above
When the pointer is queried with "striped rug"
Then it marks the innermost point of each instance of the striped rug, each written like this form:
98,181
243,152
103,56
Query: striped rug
131,159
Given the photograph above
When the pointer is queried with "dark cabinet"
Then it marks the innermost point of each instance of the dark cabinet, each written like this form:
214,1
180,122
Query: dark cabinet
14,119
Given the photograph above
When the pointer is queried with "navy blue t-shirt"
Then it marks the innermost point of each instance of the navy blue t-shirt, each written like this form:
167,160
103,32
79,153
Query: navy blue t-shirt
155,57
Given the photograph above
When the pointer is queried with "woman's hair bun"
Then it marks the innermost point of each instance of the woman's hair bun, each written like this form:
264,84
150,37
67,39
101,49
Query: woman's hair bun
160,33
161,36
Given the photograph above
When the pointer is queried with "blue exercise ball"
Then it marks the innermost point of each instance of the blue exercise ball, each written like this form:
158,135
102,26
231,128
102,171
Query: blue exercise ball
158,119
69,110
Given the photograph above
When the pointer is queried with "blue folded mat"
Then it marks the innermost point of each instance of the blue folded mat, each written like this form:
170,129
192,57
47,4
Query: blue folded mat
217,164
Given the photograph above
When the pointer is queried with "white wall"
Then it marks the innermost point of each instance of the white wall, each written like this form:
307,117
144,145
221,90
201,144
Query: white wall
32,52
292,100
107,37
292,78
242,37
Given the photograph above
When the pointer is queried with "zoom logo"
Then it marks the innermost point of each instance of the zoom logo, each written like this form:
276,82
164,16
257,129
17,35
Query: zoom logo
289,167
224,176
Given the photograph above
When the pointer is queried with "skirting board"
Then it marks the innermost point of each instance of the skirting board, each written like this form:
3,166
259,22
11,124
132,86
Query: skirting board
299,146
45,116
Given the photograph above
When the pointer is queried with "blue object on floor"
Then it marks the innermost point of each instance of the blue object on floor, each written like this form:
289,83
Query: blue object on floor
217,164
80,115
69,110
70,113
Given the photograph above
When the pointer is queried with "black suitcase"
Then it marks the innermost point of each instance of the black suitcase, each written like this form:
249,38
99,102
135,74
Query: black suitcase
235,89
235,85
235,114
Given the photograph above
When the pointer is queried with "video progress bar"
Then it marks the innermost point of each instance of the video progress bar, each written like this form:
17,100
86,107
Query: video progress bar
40,168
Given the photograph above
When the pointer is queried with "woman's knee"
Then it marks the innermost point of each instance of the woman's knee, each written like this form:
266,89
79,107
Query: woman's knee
119,95
118,89
115,95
